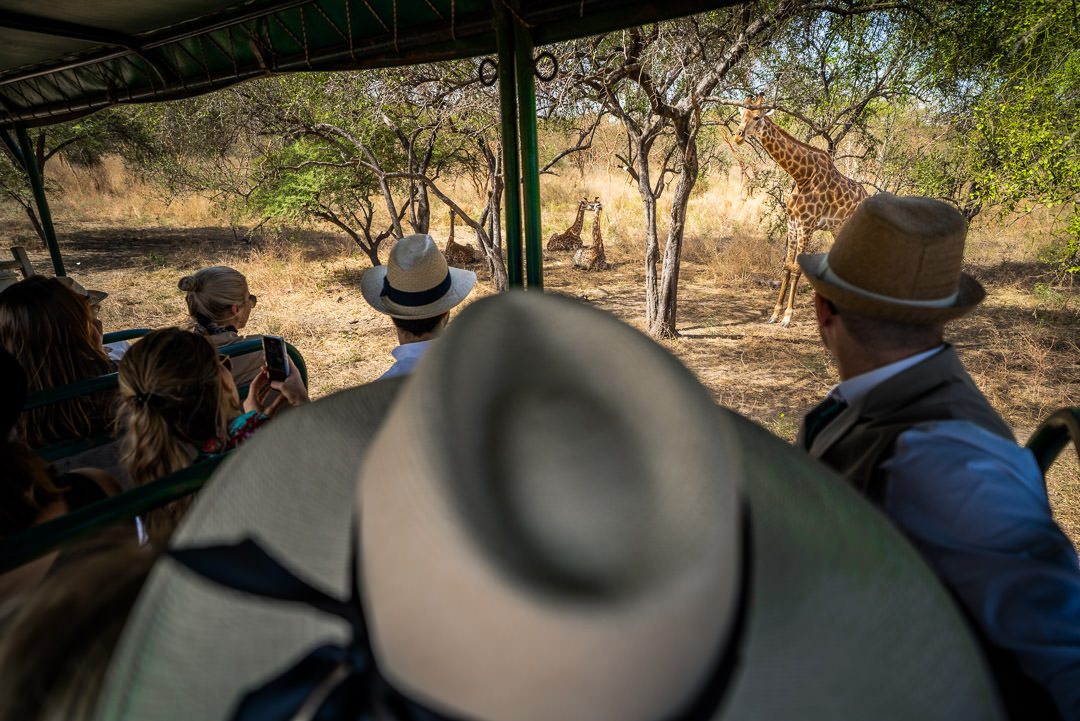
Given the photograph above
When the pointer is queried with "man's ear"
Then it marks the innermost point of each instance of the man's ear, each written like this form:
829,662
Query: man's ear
824,313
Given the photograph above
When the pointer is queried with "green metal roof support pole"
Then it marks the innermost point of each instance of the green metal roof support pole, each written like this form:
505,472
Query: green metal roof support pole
37,184
526,87
504,37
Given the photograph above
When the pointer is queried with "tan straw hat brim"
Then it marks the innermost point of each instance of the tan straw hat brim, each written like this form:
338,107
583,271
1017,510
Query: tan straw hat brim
371,285
969,294
843,620
94,296
293,481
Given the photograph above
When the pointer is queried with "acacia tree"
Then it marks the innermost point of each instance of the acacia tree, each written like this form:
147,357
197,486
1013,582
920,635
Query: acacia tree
846,82
660,81
80,142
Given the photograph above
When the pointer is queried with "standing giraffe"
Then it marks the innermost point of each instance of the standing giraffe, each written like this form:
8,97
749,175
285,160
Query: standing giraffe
591,257
456,253
571,237
823,198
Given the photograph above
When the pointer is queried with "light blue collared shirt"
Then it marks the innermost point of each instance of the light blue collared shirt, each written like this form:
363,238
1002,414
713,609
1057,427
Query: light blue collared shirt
406,356
855,388
975,505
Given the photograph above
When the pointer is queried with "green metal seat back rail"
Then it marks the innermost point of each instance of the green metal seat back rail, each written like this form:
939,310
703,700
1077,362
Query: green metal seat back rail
46,537
109,381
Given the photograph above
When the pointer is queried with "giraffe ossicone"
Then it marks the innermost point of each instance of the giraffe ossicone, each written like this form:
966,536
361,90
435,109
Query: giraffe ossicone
823,197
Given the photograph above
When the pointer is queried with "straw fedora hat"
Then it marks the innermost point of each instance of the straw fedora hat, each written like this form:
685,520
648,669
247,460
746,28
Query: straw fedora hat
898,259
94,296
552,521
416,282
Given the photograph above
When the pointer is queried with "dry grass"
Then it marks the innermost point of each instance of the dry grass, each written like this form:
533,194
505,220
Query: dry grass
1020,346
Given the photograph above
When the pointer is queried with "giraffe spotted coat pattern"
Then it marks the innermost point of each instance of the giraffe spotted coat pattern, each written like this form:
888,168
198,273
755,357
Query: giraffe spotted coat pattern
570,238
823,198
591,257
457,254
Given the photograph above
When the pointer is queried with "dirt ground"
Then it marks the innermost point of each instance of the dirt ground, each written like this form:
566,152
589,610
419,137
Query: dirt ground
1020,346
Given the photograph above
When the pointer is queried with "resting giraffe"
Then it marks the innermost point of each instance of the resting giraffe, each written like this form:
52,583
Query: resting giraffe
591,257
456,253
823,198
571,237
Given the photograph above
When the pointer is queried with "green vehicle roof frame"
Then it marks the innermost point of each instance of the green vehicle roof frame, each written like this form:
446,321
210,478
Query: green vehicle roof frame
67,60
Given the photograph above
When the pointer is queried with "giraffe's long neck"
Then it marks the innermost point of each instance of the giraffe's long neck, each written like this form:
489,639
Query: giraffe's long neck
598,240
452,227
579,220
798,159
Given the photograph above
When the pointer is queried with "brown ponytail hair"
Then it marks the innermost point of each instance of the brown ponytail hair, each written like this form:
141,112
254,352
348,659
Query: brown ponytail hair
172,401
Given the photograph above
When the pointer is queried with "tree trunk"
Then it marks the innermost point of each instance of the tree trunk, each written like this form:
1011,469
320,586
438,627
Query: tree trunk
652,242
422,209
37,224
663,325
497,264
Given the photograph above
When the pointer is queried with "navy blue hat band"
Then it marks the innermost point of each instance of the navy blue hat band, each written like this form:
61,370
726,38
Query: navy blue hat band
419,298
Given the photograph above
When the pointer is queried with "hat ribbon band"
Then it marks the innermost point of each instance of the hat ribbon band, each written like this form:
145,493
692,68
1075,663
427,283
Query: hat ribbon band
418,298
830,276
336,682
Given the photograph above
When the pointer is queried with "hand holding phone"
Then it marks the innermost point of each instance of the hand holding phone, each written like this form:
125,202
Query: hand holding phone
277,362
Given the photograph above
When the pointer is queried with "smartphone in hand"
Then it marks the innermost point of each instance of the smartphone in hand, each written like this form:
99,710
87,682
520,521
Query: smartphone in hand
277,362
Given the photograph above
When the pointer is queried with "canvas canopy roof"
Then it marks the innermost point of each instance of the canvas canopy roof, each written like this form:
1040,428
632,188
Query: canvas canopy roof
64,58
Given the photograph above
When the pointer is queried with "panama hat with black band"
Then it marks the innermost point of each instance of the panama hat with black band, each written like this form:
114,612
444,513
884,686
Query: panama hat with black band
898,259
552,521
416,282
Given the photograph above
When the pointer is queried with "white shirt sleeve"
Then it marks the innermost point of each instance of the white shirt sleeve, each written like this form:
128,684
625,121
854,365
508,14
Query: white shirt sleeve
975,505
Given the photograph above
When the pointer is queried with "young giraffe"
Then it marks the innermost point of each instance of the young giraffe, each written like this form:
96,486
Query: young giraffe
592,257
571,237
823,198
456,253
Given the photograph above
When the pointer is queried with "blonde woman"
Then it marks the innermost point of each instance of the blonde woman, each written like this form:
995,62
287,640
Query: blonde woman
179,404
219,302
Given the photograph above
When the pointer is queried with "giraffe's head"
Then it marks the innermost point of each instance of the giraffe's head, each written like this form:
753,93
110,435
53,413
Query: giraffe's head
751,119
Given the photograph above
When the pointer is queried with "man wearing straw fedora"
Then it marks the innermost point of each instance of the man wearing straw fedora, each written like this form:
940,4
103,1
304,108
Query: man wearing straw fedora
907,427
417,289
551,520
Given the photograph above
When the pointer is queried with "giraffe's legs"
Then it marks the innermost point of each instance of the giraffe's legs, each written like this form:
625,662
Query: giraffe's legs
785,277
797,273
793,267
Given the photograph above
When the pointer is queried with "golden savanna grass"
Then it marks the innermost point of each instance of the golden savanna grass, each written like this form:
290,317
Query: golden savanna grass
1020,346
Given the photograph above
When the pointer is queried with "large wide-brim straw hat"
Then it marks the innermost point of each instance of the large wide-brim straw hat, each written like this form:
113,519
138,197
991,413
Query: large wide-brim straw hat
898,258
416,282
555,521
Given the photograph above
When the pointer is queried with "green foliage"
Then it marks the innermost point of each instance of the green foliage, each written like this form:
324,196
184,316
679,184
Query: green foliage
1011,70
81,143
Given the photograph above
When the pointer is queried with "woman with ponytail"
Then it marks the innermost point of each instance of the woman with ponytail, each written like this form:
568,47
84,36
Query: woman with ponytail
220,304
179,404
